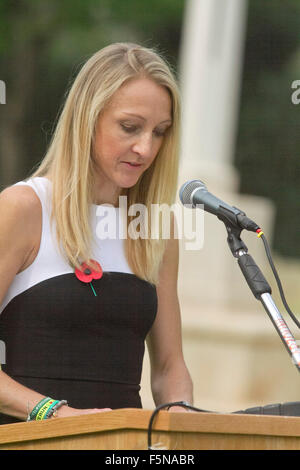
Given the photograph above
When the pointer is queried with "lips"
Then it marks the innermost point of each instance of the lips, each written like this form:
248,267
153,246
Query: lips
132,164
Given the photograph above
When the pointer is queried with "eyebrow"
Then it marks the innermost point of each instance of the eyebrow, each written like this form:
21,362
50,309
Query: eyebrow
141,117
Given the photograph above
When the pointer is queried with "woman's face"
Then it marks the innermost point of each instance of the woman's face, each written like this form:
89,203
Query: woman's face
129,134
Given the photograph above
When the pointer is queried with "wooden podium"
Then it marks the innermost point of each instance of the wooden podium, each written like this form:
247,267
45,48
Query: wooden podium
126,429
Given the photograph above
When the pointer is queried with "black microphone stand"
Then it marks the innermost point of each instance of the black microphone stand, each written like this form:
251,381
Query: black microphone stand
257,282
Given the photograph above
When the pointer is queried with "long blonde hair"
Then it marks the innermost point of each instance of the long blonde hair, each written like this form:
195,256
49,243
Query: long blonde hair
68,159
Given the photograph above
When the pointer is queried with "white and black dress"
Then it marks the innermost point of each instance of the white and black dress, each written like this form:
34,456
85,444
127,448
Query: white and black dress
69,340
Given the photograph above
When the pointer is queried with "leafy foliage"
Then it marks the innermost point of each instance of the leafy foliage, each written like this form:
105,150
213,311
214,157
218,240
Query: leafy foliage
42,46
268,147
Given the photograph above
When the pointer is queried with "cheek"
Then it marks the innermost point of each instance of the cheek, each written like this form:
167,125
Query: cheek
156,148
108,149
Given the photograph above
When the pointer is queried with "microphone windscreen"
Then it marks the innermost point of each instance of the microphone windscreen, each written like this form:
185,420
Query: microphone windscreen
187,190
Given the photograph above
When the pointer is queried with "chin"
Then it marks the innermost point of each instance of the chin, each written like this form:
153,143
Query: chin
128,183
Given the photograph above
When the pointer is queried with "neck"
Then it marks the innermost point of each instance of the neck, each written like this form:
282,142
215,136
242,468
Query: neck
106,194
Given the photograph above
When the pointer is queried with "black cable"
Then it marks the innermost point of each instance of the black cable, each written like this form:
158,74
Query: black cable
268,252
184,404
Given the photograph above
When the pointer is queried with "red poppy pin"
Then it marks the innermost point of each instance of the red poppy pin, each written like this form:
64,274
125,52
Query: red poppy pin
87,274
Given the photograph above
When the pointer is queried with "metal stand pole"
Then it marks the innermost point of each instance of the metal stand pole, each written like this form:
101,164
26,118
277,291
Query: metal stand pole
282,328
260,288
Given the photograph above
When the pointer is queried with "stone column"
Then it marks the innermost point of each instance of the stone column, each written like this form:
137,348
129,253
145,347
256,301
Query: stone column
210,70
211,63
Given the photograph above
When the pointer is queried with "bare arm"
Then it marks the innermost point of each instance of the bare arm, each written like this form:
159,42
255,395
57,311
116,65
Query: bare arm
20,219
170,379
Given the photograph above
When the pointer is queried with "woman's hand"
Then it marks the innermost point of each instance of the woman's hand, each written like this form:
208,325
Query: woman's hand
66,411
178,409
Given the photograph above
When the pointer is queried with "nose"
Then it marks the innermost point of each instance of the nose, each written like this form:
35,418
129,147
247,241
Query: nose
143,145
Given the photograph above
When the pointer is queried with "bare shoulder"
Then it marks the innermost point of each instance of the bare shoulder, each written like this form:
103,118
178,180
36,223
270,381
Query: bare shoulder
20,226
20,212
19,198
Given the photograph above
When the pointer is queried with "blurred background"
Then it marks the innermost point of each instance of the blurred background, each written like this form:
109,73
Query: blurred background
236,61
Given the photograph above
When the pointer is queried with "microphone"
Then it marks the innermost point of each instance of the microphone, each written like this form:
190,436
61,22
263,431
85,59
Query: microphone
194,192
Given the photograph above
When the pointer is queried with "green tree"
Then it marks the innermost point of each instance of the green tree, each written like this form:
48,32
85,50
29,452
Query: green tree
43,44
268,146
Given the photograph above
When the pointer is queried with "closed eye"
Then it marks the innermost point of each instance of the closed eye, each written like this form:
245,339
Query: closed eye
129,128
132,128
160,132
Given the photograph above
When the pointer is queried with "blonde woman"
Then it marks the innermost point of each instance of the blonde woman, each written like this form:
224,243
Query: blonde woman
76,308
